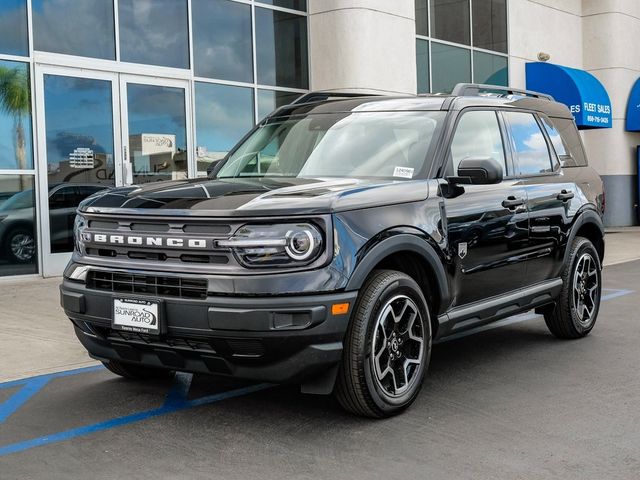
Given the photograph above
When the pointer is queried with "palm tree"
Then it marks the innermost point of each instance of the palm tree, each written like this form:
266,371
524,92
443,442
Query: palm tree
16,101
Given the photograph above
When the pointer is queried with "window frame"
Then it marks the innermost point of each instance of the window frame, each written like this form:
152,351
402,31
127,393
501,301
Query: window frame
555,165
449,135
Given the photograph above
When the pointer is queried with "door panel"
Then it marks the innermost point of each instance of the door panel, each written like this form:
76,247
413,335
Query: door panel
549,199
487,240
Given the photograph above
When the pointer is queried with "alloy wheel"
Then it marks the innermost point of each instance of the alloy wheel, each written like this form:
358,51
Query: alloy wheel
397,346
22,246
585,288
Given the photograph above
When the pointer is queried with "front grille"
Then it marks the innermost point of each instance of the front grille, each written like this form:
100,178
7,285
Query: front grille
147,284
173,342
181,227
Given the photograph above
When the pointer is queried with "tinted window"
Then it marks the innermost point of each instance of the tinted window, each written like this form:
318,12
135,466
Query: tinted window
490,24
450,21
490,69
529,145
84,28
281,49
477,135
15,117
14,39
224,114
570,142
422,65
422,17
65,197
155,32
450,65
222,40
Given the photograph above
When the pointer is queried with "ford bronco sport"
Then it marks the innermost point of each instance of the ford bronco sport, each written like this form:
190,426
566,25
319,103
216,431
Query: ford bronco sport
340,238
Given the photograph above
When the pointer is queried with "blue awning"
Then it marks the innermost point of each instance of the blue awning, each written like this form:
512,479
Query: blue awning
633,109
583,93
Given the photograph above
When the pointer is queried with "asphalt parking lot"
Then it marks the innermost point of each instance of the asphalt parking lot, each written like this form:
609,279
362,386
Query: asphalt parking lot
506,402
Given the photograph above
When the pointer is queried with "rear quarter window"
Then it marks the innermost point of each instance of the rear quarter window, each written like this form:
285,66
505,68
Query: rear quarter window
566,141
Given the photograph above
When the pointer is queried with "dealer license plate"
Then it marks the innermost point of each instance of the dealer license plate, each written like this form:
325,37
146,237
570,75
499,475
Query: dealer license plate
136,315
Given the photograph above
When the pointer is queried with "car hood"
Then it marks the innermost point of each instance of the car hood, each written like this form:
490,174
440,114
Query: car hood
254,196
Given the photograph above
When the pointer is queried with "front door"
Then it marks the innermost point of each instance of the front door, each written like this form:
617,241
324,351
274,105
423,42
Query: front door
487,225
98,130
78,141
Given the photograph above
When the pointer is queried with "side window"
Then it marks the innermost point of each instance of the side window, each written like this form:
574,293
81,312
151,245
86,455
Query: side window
477,135
571,143
530,148
66,197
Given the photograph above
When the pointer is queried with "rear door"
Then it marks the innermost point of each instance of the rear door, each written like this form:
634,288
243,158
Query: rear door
549,196
486,224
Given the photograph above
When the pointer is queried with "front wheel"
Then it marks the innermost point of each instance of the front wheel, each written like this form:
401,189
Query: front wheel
576,310
387,347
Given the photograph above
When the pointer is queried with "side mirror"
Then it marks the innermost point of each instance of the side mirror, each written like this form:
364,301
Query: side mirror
479,171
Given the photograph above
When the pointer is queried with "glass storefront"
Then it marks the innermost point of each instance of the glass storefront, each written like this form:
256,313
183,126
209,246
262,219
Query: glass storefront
460,41
128,92
56,27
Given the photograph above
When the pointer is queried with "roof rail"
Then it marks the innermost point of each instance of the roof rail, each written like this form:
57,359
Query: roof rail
475,89
322,96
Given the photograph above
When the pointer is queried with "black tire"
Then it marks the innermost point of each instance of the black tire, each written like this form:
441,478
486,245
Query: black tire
136,372
16,238
359,388
567,320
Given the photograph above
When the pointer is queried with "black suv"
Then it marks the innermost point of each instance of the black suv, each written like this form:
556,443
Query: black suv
340,238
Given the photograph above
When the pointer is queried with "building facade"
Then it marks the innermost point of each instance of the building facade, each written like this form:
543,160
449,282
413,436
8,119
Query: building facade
103,93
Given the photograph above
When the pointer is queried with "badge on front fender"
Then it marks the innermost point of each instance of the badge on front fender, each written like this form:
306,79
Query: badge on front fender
462,249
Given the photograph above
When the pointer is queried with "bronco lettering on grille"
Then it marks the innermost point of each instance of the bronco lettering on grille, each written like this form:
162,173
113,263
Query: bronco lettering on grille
149,241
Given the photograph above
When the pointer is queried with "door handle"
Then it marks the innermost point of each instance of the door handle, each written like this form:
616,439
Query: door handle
565,195
512,202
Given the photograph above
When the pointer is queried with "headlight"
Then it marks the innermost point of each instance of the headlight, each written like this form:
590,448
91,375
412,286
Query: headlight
275,245
79,225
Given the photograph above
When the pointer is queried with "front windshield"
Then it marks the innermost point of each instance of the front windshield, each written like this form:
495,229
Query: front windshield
354,144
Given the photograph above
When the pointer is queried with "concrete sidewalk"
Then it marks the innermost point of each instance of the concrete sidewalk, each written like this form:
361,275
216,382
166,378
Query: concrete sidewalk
37,338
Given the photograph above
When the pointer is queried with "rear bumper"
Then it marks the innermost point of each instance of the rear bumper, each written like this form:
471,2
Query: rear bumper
273,339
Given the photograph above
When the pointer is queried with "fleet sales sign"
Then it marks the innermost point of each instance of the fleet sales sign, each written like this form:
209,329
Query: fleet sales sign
593,113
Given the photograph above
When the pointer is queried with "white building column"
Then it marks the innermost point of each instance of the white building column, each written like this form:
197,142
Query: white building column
611,29
363,45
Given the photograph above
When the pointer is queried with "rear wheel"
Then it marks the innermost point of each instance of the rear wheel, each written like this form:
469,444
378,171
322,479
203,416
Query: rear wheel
576,310
387,347
136,372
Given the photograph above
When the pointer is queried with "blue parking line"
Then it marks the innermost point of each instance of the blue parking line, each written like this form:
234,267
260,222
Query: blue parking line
31,386
50,376
176,400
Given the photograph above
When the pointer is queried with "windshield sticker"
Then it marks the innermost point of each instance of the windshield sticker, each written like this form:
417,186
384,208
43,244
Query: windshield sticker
403,172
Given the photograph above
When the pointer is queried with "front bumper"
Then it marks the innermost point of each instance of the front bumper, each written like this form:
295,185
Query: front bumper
273,339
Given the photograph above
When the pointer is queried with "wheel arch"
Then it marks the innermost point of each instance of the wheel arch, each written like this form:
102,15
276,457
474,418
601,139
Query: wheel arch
413,255
588,225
